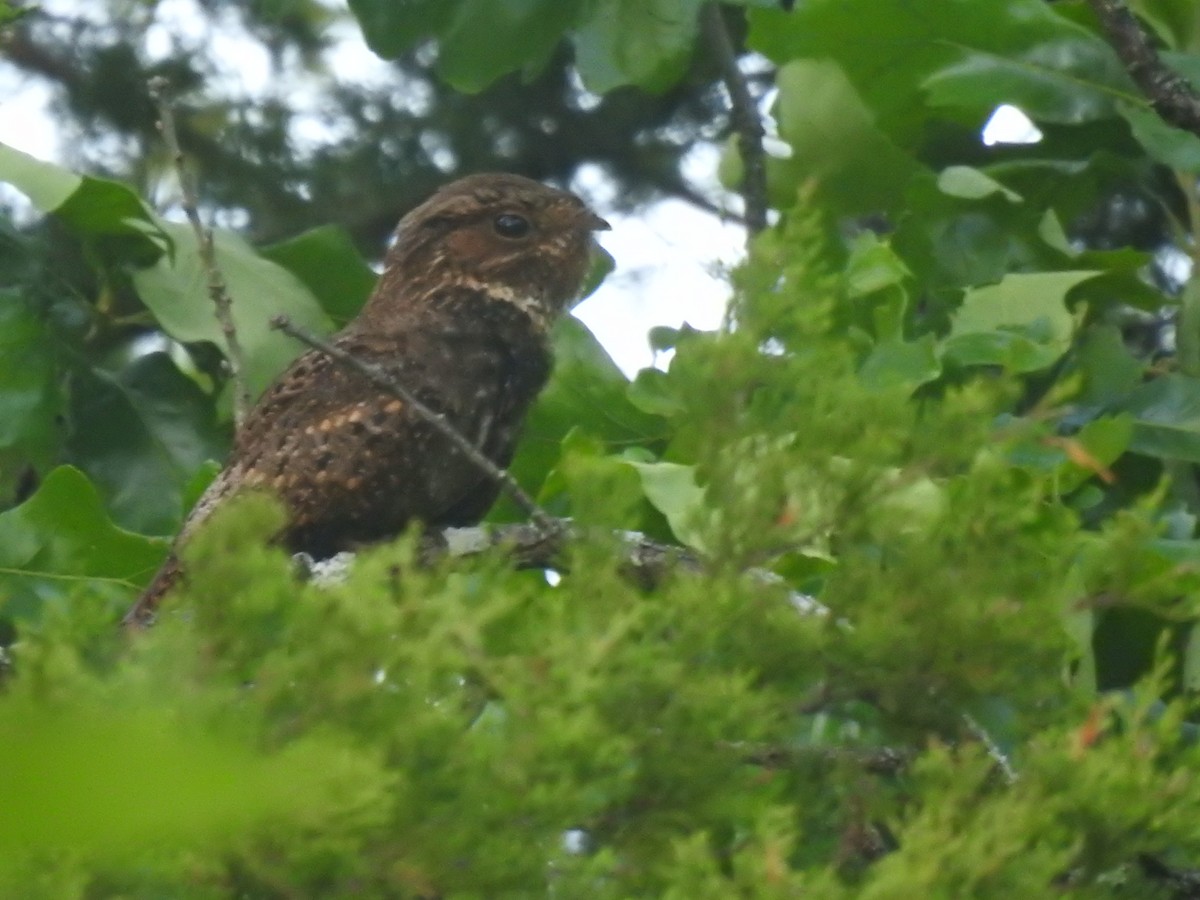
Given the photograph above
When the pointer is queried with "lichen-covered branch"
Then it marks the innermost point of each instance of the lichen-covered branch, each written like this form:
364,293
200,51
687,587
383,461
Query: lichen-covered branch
645,561
217,290
1171,95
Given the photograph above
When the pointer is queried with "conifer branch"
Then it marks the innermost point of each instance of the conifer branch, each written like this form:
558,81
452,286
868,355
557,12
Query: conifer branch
217,290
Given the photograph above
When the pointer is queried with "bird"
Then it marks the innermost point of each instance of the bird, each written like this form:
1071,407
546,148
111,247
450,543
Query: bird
473,282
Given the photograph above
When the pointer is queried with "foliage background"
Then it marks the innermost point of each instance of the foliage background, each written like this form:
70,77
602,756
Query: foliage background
955,401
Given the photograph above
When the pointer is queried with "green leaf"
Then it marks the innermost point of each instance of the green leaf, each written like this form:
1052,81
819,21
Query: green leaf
60,536
1022,323
1176,22
1170,146
1110,371
673,490
141,435
1187,329
951,242
168,783
1102,441
485,39
326,260
898,363
177,293
873,266
1166,418
391,28
1069,78
835,142
93,206
478,40
594,487
46,185
29,396
642,42
652,392
955,58
972,184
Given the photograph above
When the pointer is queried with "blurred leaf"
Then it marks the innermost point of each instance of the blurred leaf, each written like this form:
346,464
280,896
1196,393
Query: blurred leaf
972,184
651,391
110,781
1187,329
62,535
141,435
673,490
1022,323
1089,453
1166,417
1166,144
1175,22
391,28
485,40
966,58
1110,371
326,260
478,40
592,486
954,242
896,362
177,293
647,43
93,206
29,396
873,266
835,141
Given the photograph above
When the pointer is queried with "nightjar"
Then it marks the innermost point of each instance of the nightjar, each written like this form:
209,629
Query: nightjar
474,280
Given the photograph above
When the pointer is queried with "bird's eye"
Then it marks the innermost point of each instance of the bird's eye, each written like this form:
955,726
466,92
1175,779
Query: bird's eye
510,225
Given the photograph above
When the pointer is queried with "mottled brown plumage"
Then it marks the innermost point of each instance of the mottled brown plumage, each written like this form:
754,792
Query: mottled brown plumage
476,277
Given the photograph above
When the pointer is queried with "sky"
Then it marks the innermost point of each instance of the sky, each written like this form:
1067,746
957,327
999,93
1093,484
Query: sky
671,257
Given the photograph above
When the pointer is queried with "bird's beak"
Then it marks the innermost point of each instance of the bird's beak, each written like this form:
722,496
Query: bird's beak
594,223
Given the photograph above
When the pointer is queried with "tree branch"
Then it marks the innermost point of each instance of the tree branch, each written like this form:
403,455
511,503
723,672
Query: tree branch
1171,95
380,378
643,560
743,117
217,290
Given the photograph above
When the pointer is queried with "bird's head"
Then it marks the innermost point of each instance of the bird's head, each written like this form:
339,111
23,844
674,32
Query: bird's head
512,238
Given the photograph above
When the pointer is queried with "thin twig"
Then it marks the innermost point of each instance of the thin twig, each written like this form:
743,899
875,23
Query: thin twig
217,290
377,376
994,751
743,117
1171,95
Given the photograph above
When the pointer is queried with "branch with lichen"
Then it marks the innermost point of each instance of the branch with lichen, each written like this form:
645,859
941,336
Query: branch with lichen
646,562
743,116
217,290
1171,95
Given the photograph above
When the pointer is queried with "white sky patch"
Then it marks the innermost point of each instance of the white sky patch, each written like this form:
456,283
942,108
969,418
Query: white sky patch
671,263
25,120
1008,125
